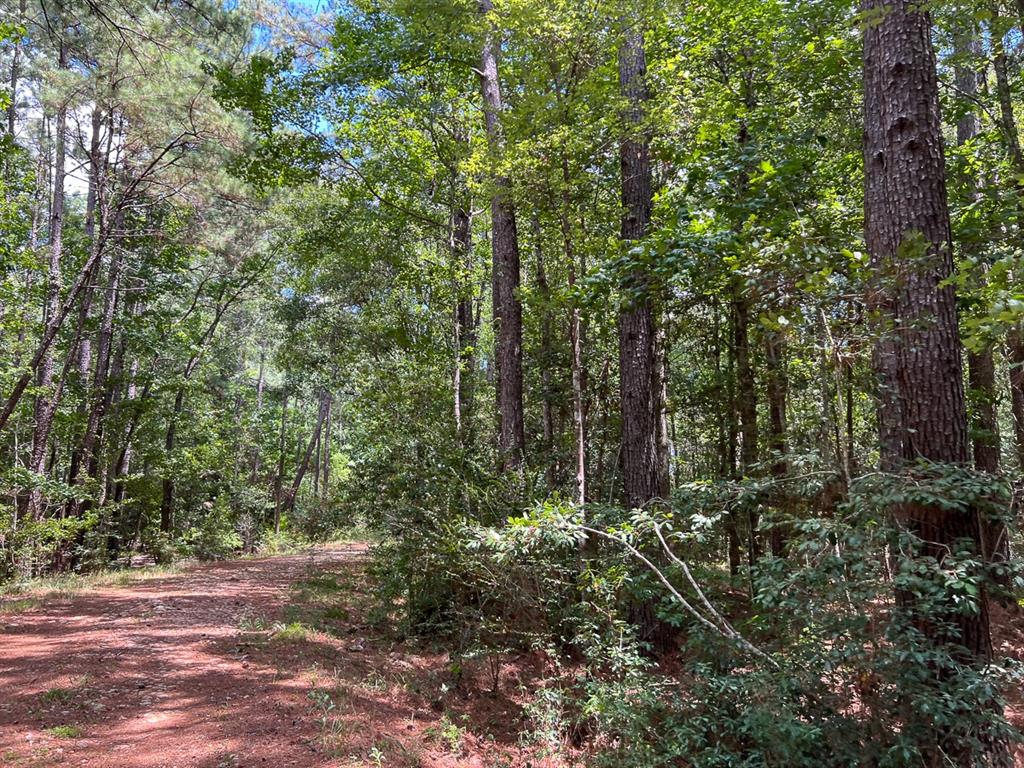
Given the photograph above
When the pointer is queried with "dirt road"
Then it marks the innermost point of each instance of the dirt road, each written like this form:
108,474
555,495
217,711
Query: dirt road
153,675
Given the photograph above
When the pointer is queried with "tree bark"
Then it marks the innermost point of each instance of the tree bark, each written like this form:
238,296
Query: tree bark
639,387
918,358
507,307
644,477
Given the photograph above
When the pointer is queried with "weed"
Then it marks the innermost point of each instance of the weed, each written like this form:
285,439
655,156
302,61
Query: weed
295,632
58,695
448,734
65,731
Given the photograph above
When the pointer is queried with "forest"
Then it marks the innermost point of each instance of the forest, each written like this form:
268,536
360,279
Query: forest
663,358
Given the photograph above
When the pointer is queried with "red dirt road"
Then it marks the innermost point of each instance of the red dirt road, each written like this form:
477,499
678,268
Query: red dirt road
151,675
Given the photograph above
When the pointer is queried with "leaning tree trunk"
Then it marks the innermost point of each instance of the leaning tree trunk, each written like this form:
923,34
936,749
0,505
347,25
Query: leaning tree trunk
507,307
304,464
918,359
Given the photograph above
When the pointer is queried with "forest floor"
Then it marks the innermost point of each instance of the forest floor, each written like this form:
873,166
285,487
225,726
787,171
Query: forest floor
248,663
272,661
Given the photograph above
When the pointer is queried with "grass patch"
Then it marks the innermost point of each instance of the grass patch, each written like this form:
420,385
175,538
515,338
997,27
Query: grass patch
295,632
65,731
67,586
20,605
58,695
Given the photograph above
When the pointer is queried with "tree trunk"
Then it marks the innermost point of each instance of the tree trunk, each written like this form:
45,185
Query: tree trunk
304,464
746,407
644,477
167,496
465,325
507,308
326,441
778,391
12,108
279,477
576,340
918,358
46,401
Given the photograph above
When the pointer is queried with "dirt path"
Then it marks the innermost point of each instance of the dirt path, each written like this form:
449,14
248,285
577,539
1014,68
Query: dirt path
152,675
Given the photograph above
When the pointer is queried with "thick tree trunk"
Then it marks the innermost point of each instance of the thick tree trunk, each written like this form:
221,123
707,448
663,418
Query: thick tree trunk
908,237
639,386
507,307
644,477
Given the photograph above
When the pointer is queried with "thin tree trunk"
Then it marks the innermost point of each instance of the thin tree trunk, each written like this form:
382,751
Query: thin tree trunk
465,326
304,464
576,340
46,401
507,307
279,477
326,462
12,108
778,391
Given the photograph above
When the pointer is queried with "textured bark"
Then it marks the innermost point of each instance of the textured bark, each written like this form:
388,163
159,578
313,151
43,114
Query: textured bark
644,478
909,241
639,385
507,308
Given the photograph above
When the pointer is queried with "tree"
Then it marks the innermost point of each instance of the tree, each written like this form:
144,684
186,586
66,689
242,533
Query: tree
507,307
922,408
